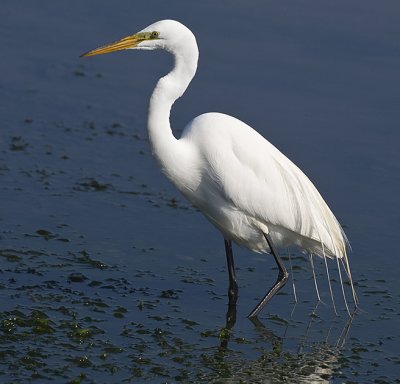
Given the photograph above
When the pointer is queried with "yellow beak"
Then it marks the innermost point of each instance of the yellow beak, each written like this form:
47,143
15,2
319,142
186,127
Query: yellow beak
125,43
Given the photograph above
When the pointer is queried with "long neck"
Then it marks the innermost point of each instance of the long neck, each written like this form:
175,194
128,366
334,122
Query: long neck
165,147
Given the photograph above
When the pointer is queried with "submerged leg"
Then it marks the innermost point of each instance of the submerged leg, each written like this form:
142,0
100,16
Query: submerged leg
230,322
233,287
280,281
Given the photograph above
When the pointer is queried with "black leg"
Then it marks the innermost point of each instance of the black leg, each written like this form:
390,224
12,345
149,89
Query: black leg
233,287
230,322
280,281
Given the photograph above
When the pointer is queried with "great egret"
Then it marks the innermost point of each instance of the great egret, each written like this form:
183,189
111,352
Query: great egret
245,186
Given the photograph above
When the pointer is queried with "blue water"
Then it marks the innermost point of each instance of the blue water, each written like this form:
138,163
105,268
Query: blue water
108,274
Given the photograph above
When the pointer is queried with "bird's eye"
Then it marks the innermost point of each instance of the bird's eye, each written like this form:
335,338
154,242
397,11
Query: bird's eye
155,34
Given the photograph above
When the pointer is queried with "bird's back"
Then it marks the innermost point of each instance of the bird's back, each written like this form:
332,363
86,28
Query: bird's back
246,186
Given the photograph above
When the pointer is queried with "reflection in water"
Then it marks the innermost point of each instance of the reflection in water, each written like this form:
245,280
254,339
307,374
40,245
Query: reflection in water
313,362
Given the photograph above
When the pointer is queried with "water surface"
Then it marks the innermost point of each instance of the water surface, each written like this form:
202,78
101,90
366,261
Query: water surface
108,274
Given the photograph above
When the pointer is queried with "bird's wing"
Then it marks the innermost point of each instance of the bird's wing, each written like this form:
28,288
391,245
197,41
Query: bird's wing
264,184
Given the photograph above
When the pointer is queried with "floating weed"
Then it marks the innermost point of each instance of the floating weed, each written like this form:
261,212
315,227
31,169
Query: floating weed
119,286
140,273
140,305
189,324
96,303
278,320
208,333
160,371
37,321
66,311
86,326
192,276
10,256
119,312
115,130
95,283
160,318
78,380
144,331
112,349
82,362
79,334
18,144
170,294
83,257
91,184
137,372
30,362
79,72
173,202
141,360
47,235
148,304
76,277
224,334
242,340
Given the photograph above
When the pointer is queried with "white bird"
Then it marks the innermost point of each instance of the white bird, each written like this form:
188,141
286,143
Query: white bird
243,185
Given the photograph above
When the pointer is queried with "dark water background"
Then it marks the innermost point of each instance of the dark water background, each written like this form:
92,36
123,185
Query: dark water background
108,275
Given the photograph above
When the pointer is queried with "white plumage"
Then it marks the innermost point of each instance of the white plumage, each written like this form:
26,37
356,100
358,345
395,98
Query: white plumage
247,192
245,186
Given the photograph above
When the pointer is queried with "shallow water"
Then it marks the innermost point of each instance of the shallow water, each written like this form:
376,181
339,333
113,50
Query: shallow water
108,275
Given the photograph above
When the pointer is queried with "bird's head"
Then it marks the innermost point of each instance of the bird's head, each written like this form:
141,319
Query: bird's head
166,34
